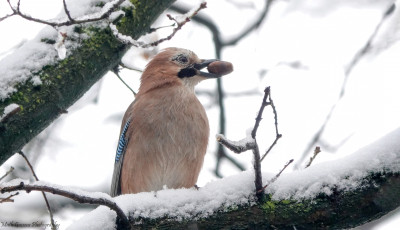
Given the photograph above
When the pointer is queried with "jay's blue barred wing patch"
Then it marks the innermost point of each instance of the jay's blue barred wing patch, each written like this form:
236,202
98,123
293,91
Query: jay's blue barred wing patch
122,142
119,158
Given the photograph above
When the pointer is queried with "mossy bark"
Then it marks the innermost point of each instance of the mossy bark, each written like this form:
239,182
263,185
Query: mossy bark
377,195
67,80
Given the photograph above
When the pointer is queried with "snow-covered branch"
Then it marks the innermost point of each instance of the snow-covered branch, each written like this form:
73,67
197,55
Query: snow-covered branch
247,143
335,195
180,21
105,12
74,194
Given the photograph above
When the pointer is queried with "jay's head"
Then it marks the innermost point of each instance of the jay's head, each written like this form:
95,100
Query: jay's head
176,66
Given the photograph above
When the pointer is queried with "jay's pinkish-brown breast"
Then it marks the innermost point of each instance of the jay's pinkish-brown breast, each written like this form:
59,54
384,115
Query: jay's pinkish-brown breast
168,141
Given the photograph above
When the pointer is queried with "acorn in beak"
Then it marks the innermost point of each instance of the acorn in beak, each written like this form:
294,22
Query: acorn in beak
215,67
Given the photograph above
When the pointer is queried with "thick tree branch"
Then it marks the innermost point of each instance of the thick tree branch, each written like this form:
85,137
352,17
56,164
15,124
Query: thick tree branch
377,196
94,57
342,209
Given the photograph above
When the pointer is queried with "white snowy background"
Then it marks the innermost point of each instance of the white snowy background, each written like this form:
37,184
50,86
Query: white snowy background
301,50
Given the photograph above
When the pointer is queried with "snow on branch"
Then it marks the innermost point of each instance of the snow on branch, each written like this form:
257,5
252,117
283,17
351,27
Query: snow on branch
49,44
333,180
304,193
180,21
105,12
316,151
74,194
9,111
243,145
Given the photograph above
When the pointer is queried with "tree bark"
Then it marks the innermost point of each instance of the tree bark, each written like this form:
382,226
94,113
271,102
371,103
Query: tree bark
377,196
67,80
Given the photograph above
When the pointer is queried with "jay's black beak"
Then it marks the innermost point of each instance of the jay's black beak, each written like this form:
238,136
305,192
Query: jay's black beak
195,68
203,64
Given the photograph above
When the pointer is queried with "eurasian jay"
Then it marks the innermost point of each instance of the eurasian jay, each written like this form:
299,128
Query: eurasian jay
164,132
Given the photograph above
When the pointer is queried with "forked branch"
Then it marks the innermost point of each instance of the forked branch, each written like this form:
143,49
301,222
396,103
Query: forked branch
250,143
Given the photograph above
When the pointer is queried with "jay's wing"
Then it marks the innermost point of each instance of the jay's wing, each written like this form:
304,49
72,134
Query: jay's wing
119,159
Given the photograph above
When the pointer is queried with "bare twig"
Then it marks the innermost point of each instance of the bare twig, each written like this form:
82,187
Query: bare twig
365,49
316,151
152,30
219,43
29,164
116,72
130,68
275,177
70,21
104,15
7,173
179,24
81,198
277,134
8,199
53,225
7,16
260,112
252,27
277,137
67,11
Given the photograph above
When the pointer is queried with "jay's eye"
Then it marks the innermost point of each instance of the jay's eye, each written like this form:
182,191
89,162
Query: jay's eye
181,59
